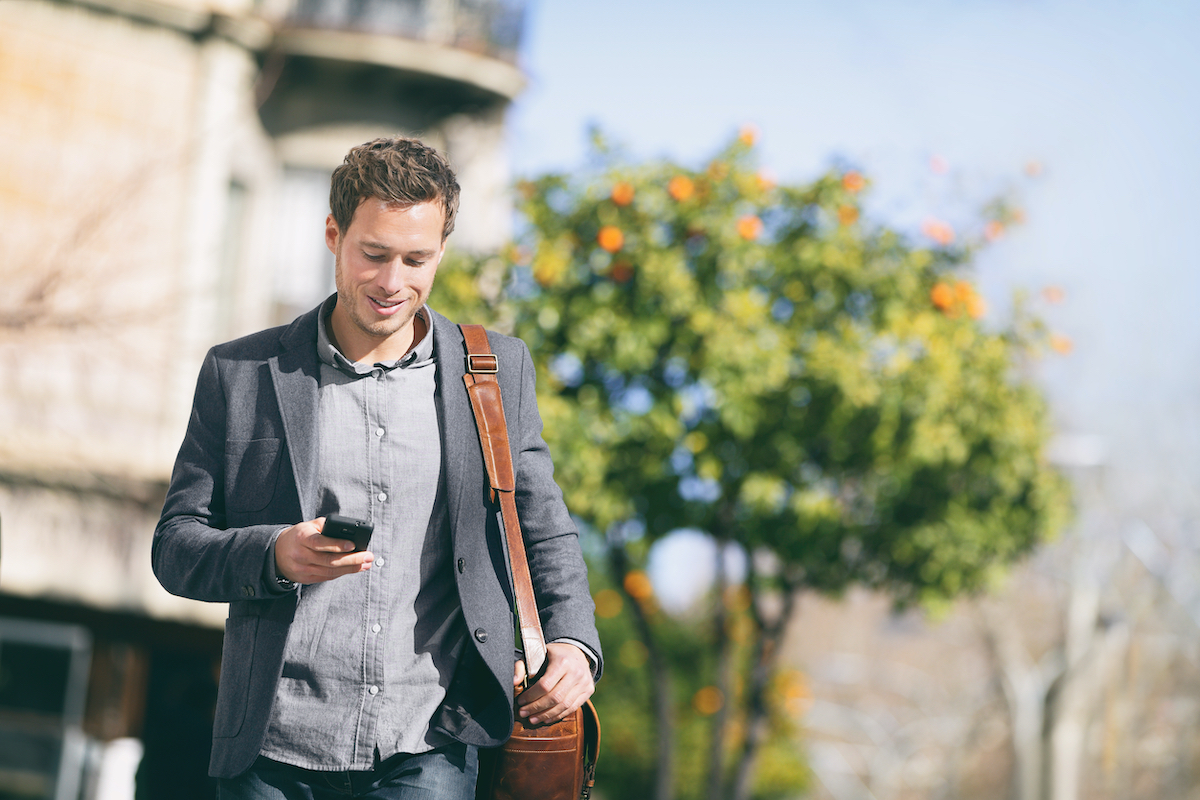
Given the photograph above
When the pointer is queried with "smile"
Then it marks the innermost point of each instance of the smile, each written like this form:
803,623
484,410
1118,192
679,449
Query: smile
385,306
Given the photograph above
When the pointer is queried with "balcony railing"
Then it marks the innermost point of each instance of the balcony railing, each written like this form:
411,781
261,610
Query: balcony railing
487,27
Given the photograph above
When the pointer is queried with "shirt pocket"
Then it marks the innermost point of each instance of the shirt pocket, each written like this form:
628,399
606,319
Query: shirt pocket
251,472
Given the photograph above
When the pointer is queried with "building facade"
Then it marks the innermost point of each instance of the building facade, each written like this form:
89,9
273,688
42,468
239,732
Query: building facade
164,174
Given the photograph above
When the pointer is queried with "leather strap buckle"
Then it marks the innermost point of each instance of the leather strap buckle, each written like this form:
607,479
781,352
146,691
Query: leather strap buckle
482,363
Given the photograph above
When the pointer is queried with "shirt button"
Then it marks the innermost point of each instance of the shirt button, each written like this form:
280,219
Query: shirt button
379,562
376,628
481,636
377,373
382,496
374,690
379,431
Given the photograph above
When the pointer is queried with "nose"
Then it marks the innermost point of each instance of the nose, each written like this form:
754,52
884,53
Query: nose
390,278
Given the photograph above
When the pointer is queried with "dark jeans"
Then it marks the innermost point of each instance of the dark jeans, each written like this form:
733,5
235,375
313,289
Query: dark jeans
446,773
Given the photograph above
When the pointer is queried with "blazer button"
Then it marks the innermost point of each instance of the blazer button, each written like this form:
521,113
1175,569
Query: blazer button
248,590
481,636
462,566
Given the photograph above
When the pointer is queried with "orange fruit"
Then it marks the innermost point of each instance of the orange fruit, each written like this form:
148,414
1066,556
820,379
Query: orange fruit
942,296
749,227
847,215
853,182
976,307
610,238
1061,344
681,187
939,231
622,193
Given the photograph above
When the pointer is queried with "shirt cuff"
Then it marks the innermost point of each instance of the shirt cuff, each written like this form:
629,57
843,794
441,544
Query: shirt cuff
276,583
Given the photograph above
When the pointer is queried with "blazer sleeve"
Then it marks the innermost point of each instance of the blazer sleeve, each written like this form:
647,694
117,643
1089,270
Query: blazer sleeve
195,553
551,538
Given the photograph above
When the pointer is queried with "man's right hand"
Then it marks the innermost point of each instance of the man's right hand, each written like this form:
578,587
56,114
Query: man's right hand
303,555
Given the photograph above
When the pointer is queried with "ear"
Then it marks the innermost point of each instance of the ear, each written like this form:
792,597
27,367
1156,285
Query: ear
332,233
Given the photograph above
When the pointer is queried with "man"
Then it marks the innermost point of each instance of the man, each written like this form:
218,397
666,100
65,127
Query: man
375,673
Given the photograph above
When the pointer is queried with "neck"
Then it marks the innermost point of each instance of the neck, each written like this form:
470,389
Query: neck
367,350
419,328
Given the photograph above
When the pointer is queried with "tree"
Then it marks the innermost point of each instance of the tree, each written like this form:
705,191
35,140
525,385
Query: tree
757,362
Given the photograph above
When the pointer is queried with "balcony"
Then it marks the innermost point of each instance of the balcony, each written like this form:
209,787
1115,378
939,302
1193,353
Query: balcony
490,28
458,51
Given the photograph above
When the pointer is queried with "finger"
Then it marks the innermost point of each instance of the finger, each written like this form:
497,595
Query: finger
519,673
336,565
555,696
570,690
327,544
321,567
562,701
564,662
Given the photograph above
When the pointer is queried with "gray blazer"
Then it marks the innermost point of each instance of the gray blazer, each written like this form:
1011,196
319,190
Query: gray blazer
248,468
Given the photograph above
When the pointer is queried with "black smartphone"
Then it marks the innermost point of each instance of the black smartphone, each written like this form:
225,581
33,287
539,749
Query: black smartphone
355,530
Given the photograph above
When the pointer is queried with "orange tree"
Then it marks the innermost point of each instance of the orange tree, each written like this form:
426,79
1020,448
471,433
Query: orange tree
761,363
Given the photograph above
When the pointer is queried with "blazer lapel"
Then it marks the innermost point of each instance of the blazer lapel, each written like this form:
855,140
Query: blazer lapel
457,419
296,375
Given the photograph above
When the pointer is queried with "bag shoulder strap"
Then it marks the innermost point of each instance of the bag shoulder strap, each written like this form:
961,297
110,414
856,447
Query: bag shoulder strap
484,392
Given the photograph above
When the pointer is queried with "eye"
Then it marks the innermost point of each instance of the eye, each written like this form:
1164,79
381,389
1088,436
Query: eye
374,256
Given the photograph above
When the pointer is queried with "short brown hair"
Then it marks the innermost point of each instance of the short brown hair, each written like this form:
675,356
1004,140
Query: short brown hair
396,170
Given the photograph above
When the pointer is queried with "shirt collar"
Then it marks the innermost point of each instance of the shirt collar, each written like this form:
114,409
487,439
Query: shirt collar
329,354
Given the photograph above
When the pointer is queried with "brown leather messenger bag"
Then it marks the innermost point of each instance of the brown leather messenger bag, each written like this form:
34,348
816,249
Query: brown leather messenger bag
550,762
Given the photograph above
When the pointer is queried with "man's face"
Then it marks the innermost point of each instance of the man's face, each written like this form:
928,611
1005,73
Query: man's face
385,264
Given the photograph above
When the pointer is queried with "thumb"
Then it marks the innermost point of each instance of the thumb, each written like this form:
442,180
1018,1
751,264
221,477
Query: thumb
519,672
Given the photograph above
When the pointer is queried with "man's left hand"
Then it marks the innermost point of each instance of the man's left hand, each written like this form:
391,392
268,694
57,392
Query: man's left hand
564,686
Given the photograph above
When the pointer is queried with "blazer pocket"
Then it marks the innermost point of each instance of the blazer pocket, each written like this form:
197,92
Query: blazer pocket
233,692
251,472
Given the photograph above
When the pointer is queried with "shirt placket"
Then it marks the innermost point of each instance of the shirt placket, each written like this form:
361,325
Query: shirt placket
381,502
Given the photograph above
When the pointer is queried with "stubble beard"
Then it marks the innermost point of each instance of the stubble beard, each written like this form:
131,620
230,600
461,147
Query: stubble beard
352,303
378,328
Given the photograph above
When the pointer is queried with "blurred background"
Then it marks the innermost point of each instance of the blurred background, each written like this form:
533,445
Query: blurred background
164,177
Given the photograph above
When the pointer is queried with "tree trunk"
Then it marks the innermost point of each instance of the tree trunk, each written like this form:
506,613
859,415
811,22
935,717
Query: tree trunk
1074,706
660,676
1025,689
724,683
766,655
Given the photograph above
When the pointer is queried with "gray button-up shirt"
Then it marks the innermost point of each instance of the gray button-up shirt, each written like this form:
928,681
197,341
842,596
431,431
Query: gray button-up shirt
369,656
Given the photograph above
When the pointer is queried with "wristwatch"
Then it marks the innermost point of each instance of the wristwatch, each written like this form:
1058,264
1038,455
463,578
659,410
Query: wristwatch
284,584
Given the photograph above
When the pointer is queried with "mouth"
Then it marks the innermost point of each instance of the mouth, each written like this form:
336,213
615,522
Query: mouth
385,306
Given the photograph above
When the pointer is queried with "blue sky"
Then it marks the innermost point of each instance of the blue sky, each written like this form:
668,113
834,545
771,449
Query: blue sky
1104,95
